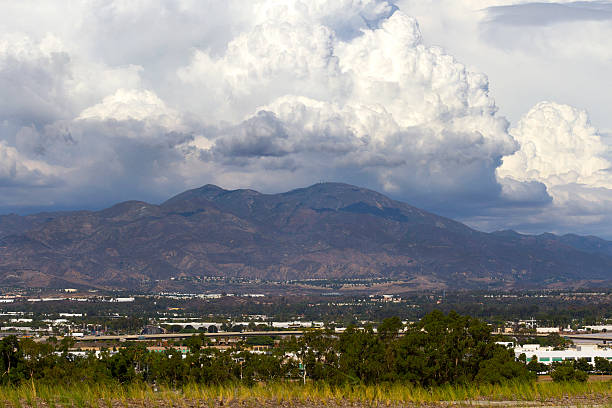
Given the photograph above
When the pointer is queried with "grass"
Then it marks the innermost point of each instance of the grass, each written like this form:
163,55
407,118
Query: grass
145,395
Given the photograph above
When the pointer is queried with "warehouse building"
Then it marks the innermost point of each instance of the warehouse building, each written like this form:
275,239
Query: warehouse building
548,355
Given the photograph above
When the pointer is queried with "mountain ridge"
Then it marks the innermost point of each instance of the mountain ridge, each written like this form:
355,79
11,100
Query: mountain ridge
327,230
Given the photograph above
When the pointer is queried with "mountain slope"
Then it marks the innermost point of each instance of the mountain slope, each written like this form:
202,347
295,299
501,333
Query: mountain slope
328,230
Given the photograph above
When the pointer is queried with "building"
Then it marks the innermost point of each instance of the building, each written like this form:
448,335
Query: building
547,330
602,328
122,299
296,324
161,349
548,355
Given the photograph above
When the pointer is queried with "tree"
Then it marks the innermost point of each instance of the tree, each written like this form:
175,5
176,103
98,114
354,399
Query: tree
362,356
565,372
602,365
175,328
390,327
195,343
501,367
11,360
535,367
66,344
121,367
453,349
317,352
583,365
554,340
261,367
260,341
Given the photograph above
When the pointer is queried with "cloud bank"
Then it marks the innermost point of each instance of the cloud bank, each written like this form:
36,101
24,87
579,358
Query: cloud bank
135,102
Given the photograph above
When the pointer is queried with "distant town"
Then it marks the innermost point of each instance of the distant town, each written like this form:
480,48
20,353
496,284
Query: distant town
529,322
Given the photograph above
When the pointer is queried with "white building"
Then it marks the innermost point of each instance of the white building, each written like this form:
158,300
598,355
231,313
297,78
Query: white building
606,328
296,324
548,355
122,299
547,330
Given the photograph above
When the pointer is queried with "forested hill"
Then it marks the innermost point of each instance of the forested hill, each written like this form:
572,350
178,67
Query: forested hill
328,230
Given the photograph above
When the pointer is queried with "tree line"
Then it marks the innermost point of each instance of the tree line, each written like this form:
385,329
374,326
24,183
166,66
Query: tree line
569,370
438,349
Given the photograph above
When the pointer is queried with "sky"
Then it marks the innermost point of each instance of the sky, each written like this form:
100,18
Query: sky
494,112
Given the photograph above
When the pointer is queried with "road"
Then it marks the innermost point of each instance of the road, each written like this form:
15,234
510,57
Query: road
131,337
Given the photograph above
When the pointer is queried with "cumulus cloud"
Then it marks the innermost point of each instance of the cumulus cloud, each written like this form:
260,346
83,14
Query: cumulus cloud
562,151
559,146
270,61
133,104
383,101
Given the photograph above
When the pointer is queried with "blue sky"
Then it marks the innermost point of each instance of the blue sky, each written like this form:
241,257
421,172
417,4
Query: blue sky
492,112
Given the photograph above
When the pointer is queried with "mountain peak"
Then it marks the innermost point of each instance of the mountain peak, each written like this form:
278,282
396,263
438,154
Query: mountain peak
210,187
206,192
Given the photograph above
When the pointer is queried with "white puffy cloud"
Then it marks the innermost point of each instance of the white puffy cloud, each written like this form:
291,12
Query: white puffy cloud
269,61
136,105
563,152
559,146
383,101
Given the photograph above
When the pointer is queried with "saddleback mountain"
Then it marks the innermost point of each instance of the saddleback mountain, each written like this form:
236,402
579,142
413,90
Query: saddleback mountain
328,230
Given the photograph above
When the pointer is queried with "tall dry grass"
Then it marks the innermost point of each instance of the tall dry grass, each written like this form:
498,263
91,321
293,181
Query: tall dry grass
146,395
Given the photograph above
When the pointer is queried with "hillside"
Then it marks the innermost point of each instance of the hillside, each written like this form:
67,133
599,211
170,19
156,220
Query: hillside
327,230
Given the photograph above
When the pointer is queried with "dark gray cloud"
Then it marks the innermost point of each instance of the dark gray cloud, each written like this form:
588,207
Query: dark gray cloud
260,136
34,87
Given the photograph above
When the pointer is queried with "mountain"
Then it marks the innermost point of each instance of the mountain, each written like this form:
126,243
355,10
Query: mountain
327,230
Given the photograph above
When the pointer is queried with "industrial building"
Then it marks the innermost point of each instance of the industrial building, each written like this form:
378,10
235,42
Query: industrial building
548,355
